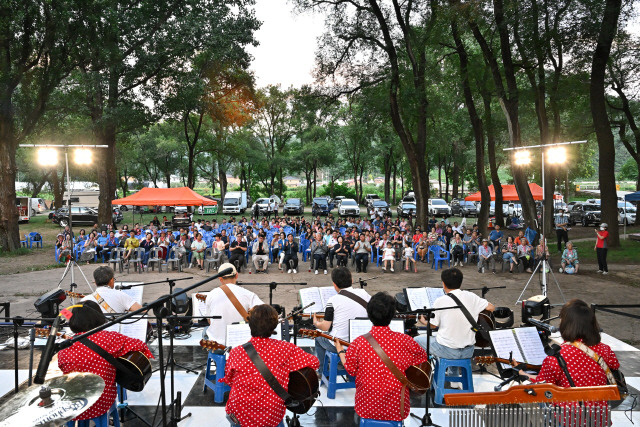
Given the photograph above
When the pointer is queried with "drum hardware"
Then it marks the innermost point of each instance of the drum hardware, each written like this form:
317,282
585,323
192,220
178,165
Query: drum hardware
53,403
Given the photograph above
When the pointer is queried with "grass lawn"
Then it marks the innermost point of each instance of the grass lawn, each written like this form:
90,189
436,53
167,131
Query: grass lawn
627,253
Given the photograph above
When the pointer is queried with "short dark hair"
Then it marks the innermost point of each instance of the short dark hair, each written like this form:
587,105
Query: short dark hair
381,309
578,321
452,278
341,276
263,320
103,275
86,317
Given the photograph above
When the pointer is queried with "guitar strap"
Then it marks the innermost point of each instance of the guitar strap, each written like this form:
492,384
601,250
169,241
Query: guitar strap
234,301
104,354
102,303
267,374
355,298
598,359
391,367
475,327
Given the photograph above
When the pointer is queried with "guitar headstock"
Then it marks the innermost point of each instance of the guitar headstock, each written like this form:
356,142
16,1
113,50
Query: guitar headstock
74,294
309,333
211,345
485,360
201,297
41,332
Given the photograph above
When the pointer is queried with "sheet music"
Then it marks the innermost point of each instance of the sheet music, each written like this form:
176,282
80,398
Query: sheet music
434,294
531,345
136,329
397,325
135,292
418,298
326,292
237,334
504,342
358,327
309,295
199,307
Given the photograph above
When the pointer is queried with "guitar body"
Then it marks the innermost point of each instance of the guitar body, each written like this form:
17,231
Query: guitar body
138,371
420,377
488,321
303,387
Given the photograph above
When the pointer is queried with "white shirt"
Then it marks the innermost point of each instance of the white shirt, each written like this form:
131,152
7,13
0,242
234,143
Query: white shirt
454,330
119,301
344,309
219,305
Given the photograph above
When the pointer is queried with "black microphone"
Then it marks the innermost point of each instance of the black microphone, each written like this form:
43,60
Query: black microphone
544,326
515,377
121,286
47,353
552,350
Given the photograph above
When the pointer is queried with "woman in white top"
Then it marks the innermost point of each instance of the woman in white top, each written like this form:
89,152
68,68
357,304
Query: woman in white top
388,256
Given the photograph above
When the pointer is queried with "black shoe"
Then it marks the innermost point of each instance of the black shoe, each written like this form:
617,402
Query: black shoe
357,270
364,270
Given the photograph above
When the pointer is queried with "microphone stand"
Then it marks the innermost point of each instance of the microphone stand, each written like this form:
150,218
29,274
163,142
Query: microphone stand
363,282
272,286
428,314
159,306
167,280
485,289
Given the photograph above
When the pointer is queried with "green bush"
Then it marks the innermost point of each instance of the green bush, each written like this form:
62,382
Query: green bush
338,190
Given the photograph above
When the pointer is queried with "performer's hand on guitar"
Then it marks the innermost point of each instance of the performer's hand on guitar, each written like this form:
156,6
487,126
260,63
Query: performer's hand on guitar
315,320
341,351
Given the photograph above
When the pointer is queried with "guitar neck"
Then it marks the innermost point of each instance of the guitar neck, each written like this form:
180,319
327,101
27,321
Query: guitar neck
309,333
42,333
211,345
488,360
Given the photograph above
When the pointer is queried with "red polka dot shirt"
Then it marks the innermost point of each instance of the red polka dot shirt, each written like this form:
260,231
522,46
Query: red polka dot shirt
79,358
251,400
583,369
377,389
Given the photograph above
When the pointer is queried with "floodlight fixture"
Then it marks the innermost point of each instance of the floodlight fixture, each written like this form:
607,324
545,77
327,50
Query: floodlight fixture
556,155
47,156
82,156
522,157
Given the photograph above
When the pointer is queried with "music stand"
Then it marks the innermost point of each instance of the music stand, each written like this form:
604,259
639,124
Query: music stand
428,314
272,286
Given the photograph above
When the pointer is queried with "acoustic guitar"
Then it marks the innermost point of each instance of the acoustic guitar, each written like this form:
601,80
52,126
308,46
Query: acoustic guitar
418,375
201,297
487,320
303,383
488,360
137,367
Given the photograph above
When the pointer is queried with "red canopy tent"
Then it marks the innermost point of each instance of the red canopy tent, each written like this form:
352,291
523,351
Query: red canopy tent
509,193
181,196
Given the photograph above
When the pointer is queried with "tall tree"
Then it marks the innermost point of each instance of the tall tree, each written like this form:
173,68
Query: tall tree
36,39
606,147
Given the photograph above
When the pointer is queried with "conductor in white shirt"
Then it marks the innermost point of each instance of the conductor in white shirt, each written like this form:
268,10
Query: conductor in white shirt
218,304
455,339
109,299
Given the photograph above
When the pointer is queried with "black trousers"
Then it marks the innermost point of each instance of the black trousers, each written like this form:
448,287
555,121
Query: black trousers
288,258
526,263
562,235
364,259
602,259
458,254
341,259
320,262
332,253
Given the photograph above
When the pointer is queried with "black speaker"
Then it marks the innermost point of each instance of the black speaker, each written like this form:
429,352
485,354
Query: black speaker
47,305
180,304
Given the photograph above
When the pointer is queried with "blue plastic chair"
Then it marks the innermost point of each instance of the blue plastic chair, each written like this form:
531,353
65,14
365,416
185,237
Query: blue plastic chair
440,376
101,421
331,361
211,380
31,239
368,422
439,256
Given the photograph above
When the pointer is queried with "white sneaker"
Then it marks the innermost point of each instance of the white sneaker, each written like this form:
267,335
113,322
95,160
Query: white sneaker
456,385
325,272
295,271
384,268
605,272
289,271
392,270
599,271
316,271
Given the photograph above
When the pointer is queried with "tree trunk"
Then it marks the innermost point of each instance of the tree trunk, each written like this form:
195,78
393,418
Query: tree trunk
9,231
315,178
597,100
456,178
478,132
107,173
395,183
387,176
37,187
493,163
222,179
57,187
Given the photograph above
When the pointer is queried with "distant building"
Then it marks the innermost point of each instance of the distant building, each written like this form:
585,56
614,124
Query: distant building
292,181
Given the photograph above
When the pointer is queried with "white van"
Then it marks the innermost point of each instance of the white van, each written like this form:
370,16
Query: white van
37,206
626,213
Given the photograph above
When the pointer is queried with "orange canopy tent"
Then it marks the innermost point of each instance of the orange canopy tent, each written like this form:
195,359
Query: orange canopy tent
181,196
509,193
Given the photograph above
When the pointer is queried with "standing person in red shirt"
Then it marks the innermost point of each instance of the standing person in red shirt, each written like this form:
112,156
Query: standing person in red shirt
252,402
581,334
79,358
379,395
602,245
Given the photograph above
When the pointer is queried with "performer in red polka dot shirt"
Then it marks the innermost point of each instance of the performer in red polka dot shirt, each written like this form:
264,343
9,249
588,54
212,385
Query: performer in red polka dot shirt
252,402
578,327
79,358
378,392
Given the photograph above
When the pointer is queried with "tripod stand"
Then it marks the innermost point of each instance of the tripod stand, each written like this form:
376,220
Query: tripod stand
69,268
544,266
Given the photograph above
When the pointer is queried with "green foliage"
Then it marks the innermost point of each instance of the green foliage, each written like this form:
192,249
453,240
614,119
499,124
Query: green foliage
338,190
629,170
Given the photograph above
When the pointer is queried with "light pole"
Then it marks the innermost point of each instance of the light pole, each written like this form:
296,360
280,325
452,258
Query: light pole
555,154
48,156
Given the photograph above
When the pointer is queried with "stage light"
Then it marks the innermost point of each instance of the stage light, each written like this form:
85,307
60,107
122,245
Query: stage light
556,155
48,304
522,157
82,156
48,156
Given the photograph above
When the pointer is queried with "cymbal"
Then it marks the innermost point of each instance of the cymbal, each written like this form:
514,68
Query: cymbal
58,400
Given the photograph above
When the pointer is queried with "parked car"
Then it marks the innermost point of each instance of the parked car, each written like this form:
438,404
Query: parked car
117,215
370,198
381,208
265,205
463,208
405,209
585,214
79,215
37,206
513,209
439,207
293,207
320,206
348,207
626,213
